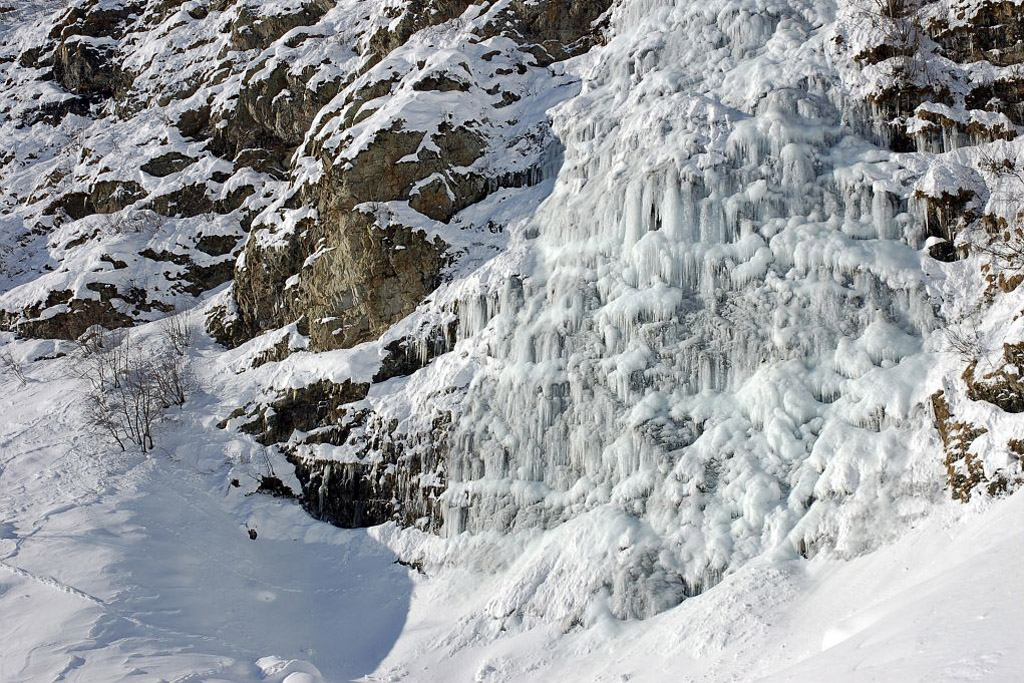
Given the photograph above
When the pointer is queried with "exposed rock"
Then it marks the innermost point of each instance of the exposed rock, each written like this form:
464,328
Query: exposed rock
271,118
893,106
1004,95
559,29
251,30
103,197
194,123
411,18
273,486
1002,387
86,67
402,482
85,60
994,32
365,279
217,245
111,196
943,250
965,471
190,200
407,355
166,164
947,215
62,316
366,276
303,410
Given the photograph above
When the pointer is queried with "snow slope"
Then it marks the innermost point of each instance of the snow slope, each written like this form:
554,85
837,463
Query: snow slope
943,604
115,566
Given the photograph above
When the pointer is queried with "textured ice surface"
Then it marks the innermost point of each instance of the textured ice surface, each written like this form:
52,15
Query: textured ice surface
722,343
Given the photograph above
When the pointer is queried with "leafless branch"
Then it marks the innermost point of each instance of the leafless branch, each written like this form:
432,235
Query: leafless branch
13,367
129,386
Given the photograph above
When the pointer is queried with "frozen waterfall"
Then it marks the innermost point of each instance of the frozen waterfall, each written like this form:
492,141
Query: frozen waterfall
722,337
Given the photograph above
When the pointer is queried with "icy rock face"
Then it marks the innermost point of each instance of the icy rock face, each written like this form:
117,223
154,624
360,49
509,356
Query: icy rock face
435,138
730,322
724,336
945,78
937,75
727,303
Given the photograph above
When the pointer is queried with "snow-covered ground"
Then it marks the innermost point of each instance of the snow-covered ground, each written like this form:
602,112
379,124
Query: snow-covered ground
943,604
122,567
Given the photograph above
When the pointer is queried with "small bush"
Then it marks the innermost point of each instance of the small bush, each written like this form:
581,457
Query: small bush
1001,242
12,367
130,386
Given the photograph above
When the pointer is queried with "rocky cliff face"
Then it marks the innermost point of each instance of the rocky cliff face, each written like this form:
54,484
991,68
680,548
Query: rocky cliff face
432,122
697,282
147,115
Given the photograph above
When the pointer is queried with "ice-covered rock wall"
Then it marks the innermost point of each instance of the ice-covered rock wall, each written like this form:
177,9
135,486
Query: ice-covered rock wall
719,337
722,336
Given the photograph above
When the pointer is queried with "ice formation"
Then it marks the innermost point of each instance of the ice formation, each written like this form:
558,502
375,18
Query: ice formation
719,342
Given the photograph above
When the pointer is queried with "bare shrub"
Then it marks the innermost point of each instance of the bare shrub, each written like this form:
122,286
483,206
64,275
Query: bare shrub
898,20
1002,167
1005,246
12,367
966,341
177,333
891,9
97,339
129,222
122,397
1002,240
130,386
899,25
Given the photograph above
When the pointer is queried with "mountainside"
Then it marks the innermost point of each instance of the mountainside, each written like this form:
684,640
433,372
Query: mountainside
606,310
